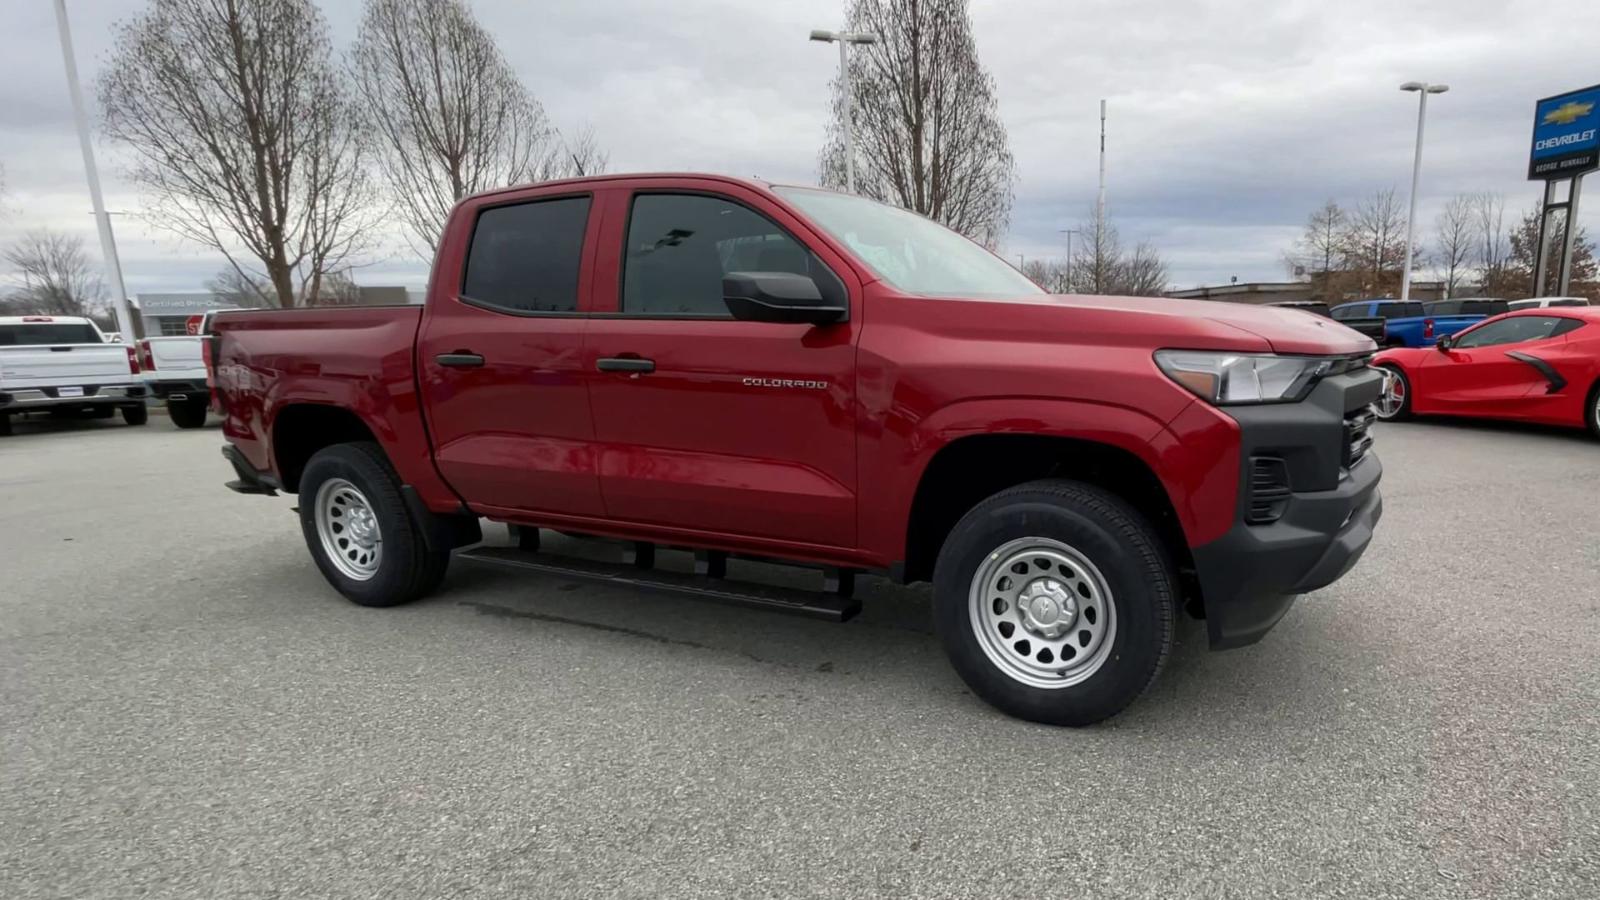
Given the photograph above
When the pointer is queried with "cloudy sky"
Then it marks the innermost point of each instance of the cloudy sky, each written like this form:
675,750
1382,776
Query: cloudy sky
1229,121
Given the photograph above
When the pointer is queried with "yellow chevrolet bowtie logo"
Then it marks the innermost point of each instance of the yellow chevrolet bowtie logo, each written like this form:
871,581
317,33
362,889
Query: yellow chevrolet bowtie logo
1567,113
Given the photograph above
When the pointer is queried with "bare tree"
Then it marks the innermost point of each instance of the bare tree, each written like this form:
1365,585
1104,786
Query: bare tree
1374,241
927,130
575,155
1453,242
1051,274
1101,265
243,134
1492,244
451,116
1094,264
241,289
1319,248
1141,273
1524,241
53,276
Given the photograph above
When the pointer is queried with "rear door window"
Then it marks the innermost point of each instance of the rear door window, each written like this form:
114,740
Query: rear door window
525,257
48,333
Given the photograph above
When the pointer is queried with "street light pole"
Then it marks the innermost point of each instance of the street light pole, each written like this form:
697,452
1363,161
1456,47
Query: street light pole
843,39
108,242
1422,90
1069,232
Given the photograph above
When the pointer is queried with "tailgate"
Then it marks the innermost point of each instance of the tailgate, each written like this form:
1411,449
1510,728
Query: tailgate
69,364
174,354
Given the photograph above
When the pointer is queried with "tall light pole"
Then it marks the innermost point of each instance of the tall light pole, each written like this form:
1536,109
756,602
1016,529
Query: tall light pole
1100,201
844,39
1422,90
108,242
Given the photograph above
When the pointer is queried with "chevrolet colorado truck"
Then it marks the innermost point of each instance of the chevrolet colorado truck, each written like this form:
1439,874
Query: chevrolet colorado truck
740,369
64,366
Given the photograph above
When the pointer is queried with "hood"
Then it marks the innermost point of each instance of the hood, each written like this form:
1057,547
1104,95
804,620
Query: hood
1289,331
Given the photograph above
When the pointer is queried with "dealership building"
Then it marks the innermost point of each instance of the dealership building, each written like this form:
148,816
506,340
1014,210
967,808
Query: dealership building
164,315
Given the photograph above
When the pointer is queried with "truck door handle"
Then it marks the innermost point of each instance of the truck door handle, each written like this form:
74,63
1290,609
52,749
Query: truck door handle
625,364
461,360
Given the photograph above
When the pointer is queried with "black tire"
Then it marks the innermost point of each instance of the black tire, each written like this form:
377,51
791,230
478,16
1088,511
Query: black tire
5,425
1591,408
1110,534
407,569
136,415
187,413
1404,412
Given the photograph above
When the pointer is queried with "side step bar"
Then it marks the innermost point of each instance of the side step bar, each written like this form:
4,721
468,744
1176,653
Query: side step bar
636,573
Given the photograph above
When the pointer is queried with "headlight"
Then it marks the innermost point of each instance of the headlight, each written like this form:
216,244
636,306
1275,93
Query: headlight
1224,378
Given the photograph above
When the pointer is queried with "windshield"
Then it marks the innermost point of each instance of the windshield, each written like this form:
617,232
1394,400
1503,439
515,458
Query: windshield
912,253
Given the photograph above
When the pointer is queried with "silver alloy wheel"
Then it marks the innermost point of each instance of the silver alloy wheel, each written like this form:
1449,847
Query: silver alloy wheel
1042,613
1393,398
349,529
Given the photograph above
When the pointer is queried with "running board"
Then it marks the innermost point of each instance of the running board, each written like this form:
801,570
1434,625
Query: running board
635,573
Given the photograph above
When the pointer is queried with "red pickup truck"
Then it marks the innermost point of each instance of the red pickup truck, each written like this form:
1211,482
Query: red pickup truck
734,368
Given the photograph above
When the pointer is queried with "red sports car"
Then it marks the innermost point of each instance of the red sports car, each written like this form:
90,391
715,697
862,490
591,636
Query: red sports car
1532,365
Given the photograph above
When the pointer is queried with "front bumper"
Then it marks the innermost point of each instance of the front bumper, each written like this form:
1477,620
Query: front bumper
27,399
1251,575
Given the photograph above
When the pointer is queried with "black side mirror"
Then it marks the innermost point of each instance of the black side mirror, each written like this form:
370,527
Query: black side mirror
1446,342
779,297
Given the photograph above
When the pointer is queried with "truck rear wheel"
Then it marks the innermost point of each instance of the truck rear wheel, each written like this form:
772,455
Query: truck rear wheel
359,530
136,415
188,413
5,425
1055,602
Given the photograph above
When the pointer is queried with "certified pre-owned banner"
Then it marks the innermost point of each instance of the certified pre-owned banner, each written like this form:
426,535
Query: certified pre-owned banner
1566,135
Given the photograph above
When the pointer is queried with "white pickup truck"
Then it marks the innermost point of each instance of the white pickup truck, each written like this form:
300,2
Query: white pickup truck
175,371
63,365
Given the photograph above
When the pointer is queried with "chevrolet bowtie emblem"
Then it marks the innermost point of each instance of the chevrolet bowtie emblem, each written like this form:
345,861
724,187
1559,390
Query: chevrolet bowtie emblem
1567,113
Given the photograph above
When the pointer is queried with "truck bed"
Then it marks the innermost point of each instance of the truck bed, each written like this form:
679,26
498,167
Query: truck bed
360,359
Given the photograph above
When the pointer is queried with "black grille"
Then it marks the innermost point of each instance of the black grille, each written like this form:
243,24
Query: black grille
1269,489
1357,436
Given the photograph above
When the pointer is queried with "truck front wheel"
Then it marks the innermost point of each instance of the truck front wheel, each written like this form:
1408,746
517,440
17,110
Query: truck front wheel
359,530
1055,602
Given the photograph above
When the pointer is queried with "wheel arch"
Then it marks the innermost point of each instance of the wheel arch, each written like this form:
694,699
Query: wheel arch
299,430
969,469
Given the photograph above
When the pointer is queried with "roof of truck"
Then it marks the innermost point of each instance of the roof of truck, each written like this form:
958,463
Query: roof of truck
623,176
40,319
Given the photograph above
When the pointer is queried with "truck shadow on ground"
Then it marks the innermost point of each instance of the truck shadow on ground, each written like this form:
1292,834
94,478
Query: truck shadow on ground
890,647
39,426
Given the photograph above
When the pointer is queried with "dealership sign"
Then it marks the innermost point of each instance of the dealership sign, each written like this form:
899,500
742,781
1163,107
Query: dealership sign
1566,135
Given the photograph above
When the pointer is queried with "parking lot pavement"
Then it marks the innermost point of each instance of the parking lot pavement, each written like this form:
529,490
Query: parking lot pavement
190,711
